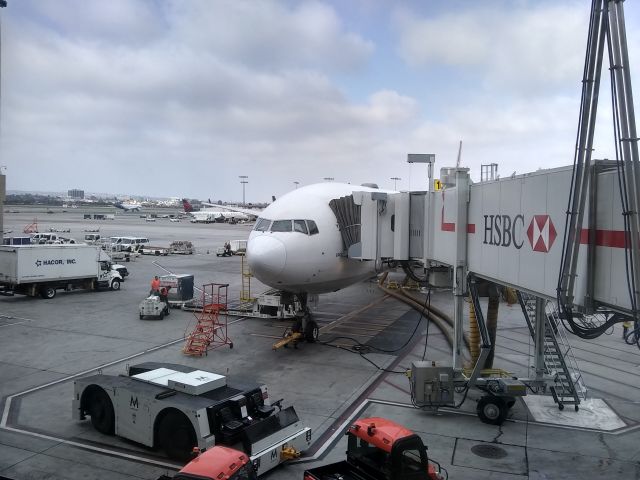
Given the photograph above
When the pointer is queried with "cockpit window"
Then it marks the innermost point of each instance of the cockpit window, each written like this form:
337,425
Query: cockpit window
300,226
281,226
313,228
262,225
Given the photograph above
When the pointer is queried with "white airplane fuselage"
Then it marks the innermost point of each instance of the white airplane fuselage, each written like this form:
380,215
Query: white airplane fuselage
211,215
305,262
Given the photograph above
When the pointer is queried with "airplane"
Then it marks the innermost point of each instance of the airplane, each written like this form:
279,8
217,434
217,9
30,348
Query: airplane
127,207
296,246
211,215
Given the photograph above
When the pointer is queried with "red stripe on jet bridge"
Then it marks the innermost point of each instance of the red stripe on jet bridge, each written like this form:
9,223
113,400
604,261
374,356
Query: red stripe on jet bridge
451,227
605,238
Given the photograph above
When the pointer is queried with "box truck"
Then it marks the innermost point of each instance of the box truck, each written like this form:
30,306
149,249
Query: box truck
43,269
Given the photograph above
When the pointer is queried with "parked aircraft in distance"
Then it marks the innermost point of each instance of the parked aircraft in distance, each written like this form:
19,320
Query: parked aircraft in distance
127,207
211,215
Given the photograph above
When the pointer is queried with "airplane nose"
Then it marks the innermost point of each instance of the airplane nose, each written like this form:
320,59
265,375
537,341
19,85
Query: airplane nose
266,256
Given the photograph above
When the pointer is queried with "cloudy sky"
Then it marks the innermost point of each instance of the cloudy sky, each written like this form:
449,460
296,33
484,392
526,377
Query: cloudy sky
179,98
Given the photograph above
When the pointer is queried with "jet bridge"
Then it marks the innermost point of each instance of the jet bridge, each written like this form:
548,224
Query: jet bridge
568,236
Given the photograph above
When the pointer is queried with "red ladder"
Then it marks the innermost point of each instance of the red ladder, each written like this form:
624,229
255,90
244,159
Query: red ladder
211,328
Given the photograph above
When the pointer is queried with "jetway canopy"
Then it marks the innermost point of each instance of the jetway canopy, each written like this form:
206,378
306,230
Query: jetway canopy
509,231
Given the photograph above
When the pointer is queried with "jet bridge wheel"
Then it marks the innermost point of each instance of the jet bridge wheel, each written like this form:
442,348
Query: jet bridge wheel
492,410
100,410
176,436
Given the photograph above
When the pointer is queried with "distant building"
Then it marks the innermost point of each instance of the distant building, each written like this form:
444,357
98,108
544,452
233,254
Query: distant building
76,194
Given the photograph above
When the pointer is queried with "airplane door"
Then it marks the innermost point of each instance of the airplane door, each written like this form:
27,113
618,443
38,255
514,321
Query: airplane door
133,419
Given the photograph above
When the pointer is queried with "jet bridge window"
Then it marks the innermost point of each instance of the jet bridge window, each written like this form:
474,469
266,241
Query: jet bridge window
300,226
313,228
262,225
281,226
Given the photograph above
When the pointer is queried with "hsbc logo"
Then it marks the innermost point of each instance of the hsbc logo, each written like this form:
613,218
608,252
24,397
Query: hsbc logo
541,233
507,231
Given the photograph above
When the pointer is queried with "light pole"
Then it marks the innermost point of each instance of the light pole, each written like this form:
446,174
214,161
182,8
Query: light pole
243,181
296,184
395,180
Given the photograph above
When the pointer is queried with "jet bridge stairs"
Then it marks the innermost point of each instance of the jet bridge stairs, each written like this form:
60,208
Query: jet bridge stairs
559,361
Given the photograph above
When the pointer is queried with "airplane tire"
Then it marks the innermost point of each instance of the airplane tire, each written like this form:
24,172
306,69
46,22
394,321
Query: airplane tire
492,410
101,412
311,332
176,436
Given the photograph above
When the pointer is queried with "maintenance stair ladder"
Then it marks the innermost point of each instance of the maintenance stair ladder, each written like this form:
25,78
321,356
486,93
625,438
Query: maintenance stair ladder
210,330
559,360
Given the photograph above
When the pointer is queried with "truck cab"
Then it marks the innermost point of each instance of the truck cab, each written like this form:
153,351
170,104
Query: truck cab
379,449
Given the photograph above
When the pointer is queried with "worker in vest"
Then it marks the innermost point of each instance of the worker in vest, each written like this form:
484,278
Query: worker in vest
155,285
164,295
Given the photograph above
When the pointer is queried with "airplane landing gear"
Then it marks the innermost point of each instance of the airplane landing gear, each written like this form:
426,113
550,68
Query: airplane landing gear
305,327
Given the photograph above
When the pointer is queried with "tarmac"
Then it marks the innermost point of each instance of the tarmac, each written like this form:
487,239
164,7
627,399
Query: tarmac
45,344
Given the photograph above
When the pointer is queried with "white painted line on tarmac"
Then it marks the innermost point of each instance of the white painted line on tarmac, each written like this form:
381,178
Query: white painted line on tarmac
7,403
14,323
7,408
106,451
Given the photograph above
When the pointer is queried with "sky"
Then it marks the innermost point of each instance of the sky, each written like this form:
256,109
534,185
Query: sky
180,98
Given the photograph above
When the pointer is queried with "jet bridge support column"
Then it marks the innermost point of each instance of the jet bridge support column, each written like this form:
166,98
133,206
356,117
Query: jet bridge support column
2,194
460,276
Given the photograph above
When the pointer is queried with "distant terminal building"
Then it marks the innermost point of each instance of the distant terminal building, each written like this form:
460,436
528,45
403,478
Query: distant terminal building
76,194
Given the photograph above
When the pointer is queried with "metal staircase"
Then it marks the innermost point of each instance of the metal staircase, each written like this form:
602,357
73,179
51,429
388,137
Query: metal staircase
559,361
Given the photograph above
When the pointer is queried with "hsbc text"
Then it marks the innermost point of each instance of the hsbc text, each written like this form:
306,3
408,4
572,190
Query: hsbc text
503,230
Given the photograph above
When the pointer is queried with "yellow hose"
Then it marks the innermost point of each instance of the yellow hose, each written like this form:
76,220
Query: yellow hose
474,334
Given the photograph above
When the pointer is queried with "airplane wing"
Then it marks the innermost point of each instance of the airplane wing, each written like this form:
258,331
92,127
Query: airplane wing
253,212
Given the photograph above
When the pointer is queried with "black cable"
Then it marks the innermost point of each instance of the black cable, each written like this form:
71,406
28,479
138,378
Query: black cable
362,349
362,355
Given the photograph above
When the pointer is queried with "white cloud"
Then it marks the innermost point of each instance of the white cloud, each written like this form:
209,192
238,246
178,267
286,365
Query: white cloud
179,98
520,49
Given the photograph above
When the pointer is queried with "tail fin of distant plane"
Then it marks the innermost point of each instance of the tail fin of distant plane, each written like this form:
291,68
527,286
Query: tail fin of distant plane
273,198
187,206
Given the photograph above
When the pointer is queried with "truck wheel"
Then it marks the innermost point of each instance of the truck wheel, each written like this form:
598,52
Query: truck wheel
176,436
48,292
141,316
101,412
492,410
161,316
115,285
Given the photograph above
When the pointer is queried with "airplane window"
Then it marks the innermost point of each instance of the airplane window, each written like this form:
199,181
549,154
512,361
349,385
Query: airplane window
281,226
262,225
313,228
300,226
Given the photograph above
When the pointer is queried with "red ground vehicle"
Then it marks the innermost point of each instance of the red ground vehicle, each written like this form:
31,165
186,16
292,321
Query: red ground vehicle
379,449
217,463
